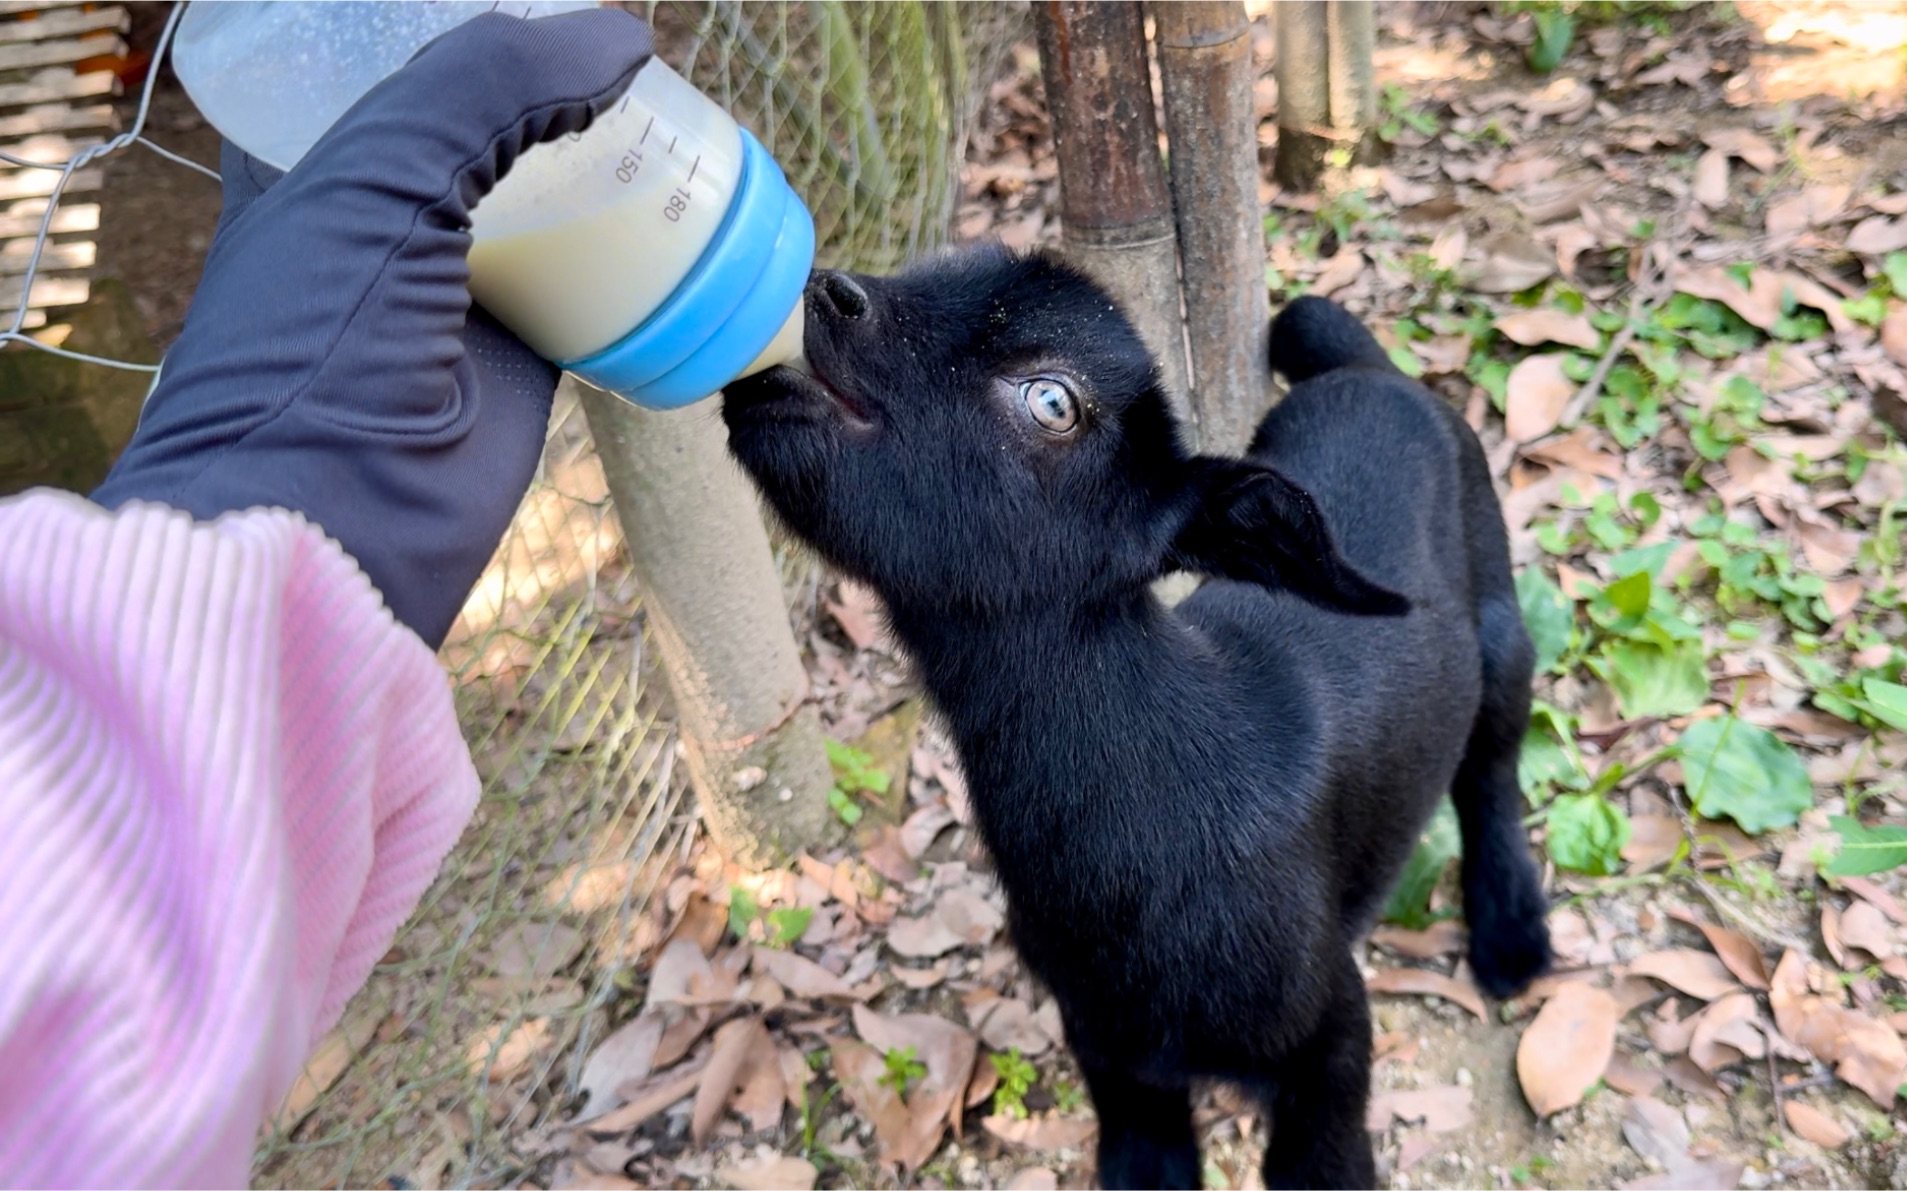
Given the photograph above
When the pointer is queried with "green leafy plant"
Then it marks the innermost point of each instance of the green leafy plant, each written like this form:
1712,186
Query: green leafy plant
1549,760
1409,904
811,1108
1866,849
1548,615
742,910
904,1070
1650,654
1736,770
1399,113
780,927
1586,834
854,773
1068,1097
1017,1077
1555,30
787,924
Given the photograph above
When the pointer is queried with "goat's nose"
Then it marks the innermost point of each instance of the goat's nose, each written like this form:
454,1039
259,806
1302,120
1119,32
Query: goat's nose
841,292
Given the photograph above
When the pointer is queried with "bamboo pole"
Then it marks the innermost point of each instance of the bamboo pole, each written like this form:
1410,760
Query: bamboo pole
1115,207
1205,74
751,740
1327,94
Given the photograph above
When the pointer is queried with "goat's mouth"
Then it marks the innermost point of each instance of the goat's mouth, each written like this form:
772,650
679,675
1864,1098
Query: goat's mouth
785,383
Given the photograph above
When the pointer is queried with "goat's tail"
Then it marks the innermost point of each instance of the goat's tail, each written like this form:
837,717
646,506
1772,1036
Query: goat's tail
1316,335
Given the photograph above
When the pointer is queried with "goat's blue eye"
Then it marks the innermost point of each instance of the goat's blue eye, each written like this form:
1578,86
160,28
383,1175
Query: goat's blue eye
1052,405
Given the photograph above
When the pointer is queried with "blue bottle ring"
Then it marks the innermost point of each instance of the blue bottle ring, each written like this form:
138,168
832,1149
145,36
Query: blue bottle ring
730,306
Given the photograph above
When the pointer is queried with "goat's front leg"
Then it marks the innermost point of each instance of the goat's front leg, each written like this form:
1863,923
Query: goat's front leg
1145,1132
1317,1097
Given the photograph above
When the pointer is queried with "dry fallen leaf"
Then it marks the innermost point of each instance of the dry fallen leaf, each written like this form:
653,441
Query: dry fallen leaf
1711,180
1655,1130
1736,950
921,828
648,1098
948,1053
1446,251
1549,325
801,977
329,1060
1042,1133
1814,1125
1033,1178
1814,206
1696,973
859,1068
1894,333
1441,1109
1877,235
961,917
1512,175
1863,887
623,1057
1430,984
534,950
735,1044
1653,840
858,611
1340,271
1440,938
1726,1033
1866,1052
1761,300
1565,1049
1008,1022
1511,262
1695,1174
918,978
1537,394
770,1174
1865,927
1630,1078
1750,147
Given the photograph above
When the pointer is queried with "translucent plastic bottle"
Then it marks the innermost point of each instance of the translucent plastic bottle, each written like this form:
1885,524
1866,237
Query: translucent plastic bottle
659,255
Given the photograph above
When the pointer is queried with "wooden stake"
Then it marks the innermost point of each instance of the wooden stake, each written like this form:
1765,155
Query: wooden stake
1205,72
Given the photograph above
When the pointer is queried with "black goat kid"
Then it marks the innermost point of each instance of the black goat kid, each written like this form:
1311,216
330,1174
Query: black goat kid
1193,811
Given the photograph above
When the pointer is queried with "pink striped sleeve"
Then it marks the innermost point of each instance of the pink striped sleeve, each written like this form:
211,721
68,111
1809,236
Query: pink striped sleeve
226,776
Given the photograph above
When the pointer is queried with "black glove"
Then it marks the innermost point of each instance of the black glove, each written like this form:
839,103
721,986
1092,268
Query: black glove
332,362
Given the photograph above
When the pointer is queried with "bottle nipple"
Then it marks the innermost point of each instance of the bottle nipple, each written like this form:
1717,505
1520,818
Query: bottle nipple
785,348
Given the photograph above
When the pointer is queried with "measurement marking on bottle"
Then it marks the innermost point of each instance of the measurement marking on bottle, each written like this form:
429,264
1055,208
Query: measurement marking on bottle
693,167
624,107
672,144
646,128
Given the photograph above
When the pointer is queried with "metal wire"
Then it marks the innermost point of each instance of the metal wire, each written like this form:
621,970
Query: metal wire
15,332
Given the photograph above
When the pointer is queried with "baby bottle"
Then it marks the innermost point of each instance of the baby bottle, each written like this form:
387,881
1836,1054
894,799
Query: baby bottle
660,254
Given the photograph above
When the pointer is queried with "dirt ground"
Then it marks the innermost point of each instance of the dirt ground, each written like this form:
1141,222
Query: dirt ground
1554,252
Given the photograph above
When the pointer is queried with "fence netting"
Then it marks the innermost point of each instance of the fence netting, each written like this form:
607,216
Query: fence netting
471,1034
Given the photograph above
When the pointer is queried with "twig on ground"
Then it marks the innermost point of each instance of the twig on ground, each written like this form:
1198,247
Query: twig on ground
1651,288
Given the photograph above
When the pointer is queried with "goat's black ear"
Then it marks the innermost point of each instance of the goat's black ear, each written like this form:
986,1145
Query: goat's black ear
1248,522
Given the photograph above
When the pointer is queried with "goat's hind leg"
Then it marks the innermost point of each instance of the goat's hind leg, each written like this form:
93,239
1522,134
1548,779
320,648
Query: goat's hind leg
1502,891
1317,1095
1145,1132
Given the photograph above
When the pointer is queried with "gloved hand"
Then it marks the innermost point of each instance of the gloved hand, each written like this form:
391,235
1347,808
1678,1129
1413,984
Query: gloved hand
332,362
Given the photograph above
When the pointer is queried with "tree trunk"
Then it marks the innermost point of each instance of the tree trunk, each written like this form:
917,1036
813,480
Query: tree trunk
751,740
1327,94
1115,209
1205,71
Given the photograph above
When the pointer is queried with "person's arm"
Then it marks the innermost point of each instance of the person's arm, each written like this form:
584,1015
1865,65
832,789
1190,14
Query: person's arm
226,777
229,763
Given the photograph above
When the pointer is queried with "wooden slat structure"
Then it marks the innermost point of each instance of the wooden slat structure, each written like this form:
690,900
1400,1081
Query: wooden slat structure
44,118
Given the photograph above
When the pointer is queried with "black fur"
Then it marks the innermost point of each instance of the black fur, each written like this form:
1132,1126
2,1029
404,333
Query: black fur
1194,812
